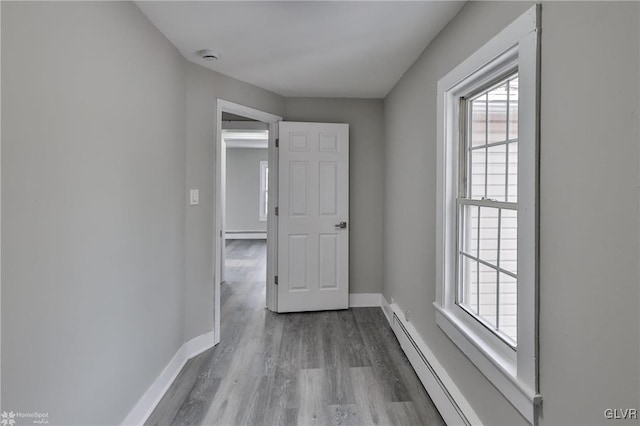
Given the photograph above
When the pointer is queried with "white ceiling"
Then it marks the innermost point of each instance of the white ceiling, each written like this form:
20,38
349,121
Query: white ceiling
305,48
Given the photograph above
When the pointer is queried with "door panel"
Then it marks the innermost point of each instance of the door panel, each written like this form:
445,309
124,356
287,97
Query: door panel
328,261
328,188
313,252
298,261
298,188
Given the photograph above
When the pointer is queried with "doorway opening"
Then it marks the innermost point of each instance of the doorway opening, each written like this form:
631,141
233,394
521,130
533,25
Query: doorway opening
245,227
246,207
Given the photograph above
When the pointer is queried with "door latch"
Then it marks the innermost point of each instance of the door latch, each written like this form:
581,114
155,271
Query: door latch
341,225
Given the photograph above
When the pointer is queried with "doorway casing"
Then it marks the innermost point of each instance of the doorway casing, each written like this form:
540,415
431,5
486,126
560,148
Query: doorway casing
219,212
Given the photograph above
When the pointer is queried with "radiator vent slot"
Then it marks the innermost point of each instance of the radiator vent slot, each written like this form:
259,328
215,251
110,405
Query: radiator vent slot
398,327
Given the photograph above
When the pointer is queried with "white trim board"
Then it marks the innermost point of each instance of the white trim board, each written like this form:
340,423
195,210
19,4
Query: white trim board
244,235
450,402
365,300
150,399
245,144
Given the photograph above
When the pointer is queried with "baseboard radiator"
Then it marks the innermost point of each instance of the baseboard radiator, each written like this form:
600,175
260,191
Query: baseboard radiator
438,387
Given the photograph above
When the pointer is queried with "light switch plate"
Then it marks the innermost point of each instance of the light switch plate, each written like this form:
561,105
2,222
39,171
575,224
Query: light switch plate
194,197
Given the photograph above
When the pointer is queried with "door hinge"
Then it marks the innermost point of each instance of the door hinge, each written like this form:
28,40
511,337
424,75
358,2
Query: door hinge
277,142
275,280
277,211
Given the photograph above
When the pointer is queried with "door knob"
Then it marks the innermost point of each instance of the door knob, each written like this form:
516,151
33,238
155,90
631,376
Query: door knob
341,225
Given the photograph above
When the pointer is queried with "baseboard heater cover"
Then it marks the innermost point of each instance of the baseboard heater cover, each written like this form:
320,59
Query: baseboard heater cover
451,404
426,363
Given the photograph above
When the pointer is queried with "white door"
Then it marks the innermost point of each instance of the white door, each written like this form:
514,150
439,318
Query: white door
313,228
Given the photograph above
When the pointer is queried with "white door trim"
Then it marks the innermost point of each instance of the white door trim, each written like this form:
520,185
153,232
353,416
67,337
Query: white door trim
218,240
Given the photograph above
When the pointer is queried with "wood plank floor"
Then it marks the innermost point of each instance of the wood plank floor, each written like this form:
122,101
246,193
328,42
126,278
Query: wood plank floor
316,368
246,260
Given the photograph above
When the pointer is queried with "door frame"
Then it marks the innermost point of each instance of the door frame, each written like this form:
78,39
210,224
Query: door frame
223,105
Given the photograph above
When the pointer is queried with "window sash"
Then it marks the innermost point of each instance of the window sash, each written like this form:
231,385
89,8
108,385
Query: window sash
505,77
502,275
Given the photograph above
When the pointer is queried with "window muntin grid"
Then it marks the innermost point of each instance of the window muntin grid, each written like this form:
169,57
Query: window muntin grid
488,209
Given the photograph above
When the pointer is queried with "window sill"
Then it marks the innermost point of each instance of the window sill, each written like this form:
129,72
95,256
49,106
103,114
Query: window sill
493,362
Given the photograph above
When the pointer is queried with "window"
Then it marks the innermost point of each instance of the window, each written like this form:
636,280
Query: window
488,208
264,190
486,292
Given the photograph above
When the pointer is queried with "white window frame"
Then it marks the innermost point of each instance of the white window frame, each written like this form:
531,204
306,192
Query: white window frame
513,372
262,214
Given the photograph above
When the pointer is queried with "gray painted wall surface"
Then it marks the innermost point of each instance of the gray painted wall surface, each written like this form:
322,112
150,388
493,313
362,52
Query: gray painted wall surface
589,326
366,138
93,178
589,276
203,87
243,189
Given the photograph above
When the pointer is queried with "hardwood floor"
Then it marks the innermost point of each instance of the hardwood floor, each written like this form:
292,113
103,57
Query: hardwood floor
315,368
246,260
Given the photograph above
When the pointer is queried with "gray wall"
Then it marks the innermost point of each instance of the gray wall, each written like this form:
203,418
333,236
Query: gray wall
589,199
589,328
243,189
93,178
203,87
366,140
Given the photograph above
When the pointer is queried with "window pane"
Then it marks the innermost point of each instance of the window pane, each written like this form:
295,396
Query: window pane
265,208
489,235
469,280
479,121
497,173
513,173
513,108
509,241
470,230
497,102
264,190
488,294
508,323
478,173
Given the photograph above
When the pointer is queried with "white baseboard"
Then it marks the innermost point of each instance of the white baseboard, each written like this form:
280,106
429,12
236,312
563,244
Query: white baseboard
365,300
386,309
147,403
446,396
242,235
